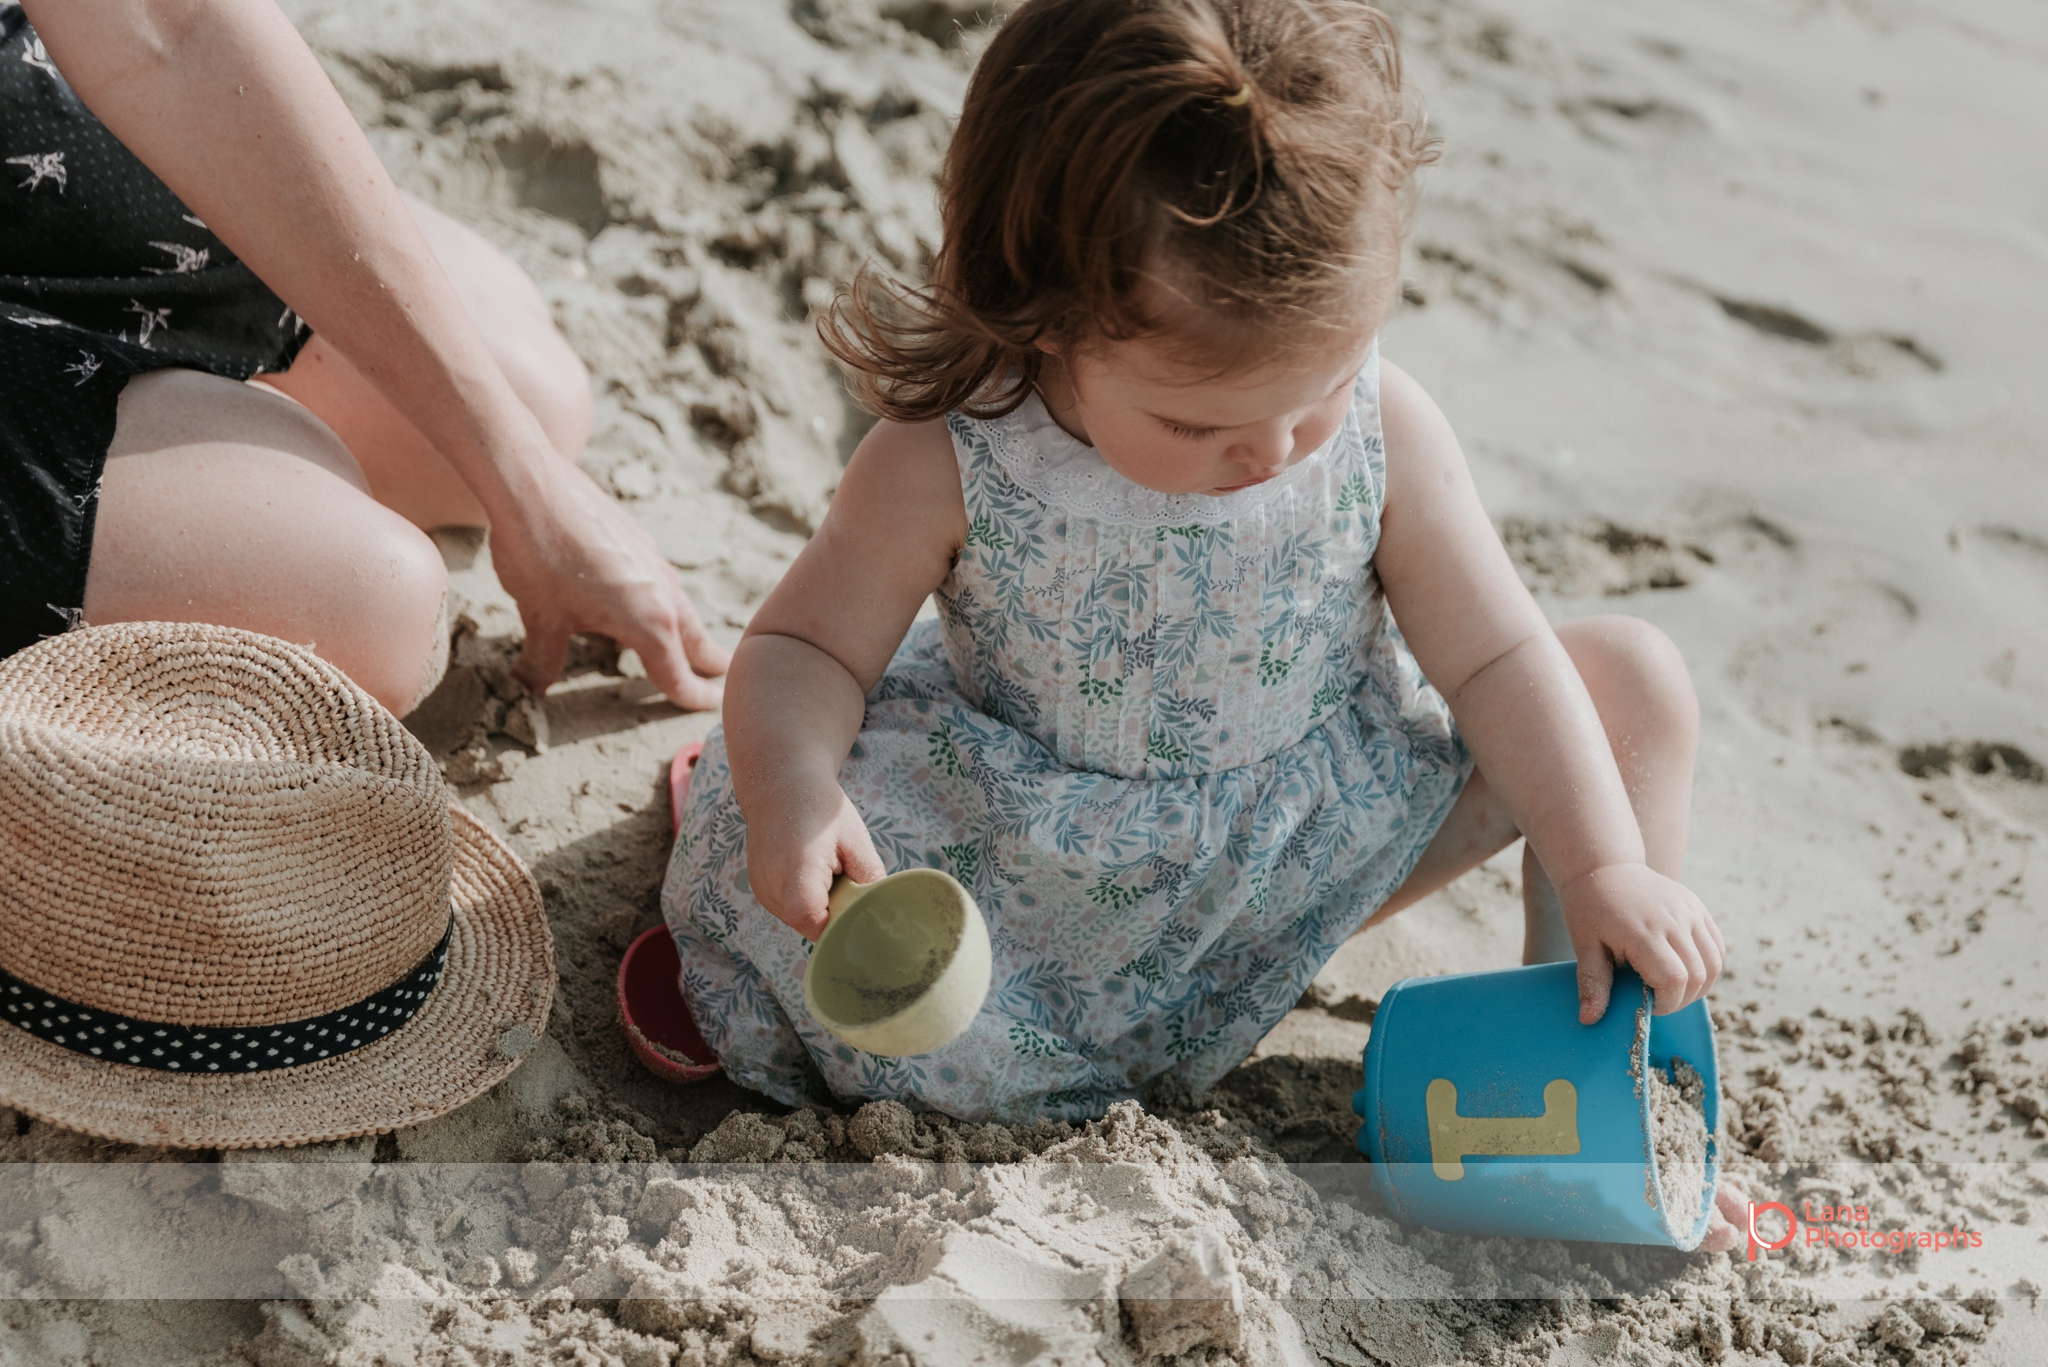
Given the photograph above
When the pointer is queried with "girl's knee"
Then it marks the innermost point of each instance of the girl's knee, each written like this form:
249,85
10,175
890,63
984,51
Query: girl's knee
1633,669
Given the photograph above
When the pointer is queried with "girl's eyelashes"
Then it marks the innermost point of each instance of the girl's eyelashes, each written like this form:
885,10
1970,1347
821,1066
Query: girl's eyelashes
1191,433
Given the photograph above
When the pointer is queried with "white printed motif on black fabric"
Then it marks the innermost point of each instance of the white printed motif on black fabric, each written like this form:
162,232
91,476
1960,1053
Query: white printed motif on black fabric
42,166
184,259
38,56
219,1049
152,319
85,367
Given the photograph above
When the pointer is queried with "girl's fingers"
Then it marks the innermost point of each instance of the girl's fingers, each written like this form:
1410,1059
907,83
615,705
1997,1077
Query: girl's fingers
1721,1237
1596,981
1662,967
857,855
1711,954
807,913
1732,1201
1695,971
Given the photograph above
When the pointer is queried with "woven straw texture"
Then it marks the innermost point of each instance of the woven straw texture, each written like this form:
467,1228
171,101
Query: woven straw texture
211,827
231,796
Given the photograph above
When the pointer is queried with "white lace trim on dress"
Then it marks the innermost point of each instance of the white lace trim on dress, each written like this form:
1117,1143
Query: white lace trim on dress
1055,467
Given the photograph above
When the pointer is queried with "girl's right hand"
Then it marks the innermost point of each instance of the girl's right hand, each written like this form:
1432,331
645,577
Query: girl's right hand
795,851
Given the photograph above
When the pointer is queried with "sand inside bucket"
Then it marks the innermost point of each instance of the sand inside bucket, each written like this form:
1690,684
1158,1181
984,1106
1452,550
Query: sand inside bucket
1678,1143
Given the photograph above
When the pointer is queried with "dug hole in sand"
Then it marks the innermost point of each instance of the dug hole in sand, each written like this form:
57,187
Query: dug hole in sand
1721,302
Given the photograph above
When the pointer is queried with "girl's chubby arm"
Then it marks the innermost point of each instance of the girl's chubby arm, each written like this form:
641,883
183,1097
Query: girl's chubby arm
795,696
1526,715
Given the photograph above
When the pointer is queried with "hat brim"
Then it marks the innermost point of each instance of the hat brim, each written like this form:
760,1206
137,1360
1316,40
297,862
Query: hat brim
483,1018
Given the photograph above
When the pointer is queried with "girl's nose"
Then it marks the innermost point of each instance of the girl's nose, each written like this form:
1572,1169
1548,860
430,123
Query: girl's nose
1264,454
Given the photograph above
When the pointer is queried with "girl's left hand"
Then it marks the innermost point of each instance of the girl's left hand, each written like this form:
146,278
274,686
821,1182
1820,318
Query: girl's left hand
1631,914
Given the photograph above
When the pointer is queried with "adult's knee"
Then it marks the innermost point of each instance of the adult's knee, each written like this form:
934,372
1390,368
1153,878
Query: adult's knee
1637,677
550,379
394,643
508,308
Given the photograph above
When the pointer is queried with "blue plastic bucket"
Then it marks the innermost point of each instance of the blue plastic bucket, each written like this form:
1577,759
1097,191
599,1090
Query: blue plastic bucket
1541,1124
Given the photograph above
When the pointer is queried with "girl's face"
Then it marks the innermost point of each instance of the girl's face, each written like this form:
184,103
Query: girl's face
1161,426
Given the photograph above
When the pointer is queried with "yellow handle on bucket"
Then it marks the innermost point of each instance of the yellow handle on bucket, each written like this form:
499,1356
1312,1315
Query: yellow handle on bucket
1453,1136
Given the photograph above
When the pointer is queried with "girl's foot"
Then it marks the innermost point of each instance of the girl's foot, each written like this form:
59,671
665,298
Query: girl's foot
680,770
1725,1225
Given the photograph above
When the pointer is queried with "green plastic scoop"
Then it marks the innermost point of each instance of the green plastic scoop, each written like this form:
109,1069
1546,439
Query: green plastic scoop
903,966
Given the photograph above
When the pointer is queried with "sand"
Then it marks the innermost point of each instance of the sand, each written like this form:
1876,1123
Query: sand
1678,1145
1730,306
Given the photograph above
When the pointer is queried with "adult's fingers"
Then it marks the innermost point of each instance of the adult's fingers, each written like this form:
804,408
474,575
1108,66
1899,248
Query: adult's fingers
542,655
670,670
705,655
677,651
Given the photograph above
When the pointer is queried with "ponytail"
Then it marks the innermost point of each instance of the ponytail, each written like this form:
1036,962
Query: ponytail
1240,142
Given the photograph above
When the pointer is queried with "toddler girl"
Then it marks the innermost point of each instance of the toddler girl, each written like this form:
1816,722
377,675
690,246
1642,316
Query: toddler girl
1138,442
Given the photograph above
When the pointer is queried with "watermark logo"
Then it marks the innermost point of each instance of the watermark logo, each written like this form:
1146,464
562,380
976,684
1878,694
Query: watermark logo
1757,1240
1843,1227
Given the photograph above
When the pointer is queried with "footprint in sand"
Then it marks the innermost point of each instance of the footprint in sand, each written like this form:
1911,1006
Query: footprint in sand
1597,557
1861,622
2003,778
2006,568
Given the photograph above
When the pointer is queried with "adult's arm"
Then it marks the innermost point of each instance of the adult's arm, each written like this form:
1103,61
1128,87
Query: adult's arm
227,105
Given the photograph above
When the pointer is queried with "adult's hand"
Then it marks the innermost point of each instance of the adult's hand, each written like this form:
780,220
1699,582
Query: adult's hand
574,561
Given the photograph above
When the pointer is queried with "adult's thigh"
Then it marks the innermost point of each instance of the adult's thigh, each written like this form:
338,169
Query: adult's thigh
224,503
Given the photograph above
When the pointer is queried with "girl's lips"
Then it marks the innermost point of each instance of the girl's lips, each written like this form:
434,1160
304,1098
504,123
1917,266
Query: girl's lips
1233,488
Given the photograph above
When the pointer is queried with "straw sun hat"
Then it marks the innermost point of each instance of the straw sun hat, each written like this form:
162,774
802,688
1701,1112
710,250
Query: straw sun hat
236,907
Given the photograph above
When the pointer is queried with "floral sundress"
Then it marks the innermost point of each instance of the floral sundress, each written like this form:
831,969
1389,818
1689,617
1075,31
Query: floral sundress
1175,747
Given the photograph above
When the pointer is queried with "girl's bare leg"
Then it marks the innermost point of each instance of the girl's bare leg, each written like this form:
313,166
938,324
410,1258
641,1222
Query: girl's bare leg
404,471
1639,684
227,504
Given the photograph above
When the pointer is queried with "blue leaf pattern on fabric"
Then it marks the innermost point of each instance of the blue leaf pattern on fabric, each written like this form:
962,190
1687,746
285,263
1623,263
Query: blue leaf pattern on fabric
1177,761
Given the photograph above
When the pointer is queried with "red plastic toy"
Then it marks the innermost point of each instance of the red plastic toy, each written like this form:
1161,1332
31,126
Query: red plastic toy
658,1026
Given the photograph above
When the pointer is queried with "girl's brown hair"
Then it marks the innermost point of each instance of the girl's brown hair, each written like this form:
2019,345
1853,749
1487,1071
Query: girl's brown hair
1241,144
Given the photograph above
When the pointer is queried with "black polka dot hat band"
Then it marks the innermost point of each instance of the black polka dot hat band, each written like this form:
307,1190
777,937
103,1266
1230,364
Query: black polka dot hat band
237,908
220,1048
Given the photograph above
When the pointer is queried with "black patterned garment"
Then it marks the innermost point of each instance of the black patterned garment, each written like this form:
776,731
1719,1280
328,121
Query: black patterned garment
104,274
